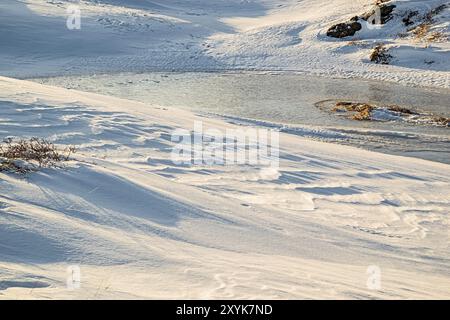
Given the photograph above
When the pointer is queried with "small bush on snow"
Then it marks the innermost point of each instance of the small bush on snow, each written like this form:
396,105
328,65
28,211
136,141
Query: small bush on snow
25,155
380,54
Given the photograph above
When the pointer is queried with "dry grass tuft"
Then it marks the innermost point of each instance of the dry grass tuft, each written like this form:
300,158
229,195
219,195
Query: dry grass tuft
363,111
26,155
442,121
421,30
380,54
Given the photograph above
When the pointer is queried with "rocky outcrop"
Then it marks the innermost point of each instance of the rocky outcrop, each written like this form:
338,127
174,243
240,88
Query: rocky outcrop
346,29
382,13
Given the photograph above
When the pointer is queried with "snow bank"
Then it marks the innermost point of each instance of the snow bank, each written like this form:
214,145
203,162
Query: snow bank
220,35
139,226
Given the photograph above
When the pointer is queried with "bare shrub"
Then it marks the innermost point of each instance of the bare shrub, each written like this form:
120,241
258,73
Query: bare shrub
25,155
380,54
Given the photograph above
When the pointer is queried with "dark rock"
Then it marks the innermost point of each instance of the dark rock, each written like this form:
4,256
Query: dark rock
408,18
343,30
348,29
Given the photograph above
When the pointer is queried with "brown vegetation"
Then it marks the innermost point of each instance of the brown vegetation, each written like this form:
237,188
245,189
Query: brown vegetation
380,54
442,121
401,110
25,155
422,31
362,111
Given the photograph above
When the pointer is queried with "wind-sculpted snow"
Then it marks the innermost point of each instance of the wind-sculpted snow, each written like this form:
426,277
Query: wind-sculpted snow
138,225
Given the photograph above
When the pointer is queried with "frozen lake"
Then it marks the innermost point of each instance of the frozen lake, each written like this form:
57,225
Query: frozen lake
287,101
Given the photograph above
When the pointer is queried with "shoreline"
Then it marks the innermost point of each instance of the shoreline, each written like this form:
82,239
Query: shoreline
334,132
367,78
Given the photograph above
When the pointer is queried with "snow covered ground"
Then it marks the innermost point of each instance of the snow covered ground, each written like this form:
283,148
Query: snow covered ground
282,35
122,220
140,226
